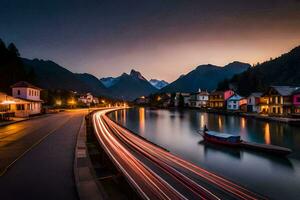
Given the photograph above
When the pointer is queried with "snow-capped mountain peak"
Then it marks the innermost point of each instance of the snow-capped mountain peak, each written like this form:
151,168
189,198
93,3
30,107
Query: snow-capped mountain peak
158,83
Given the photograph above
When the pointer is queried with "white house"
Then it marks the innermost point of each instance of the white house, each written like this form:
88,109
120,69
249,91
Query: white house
199,99
235,102
30,94
88,99
253,101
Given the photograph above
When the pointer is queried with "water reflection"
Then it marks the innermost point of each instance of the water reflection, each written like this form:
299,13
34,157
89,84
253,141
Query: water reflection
220,123
142,119
261,172
267,134
210,148
124,115
116,115
202,121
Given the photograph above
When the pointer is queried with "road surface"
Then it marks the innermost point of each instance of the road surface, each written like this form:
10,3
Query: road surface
40,153
156,173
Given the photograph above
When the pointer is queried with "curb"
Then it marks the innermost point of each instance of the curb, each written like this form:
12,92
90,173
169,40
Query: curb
22,120
85,183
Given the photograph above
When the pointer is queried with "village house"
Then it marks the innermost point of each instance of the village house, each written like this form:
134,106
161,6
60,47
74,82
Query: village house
88,99
142,100
199,99
253,102
26,100
279,100
217,99
10,106
236,102
296,102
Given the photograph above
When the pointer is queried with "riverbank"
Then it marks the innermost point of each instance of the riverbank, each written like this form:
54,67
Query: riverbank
288,120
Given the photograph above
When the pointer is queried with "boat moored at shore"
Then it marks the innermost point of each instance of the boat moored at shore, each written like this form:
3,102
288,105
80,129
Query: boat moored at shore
236,141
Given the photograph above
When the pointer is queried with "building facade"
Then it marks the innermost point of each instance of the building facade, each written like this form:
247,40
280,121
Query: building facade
30,96
217,99
88,99
253,102
236,102
279,100
199,99
296,102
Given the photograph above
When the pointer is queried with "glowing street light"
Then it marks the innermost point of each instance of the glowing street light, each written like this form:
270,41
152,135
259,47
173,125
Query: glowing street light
72,102
58,102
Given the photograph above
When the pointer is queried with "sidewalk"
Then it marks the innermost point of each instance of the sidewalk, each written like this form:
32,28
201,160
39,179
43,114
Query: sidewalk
12,121
19,119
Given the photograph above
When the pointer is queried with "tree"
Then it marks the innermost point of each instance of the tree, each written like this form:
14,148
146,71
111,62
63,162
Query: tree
181,101
11,67
13,50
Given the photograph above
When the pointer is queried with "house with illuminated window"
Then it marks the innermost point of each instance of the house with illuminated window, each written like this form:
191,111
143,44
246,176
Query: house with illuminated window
253,102
11,107
280,100
296,102
30,96
88,99
236,103
199,99
217,99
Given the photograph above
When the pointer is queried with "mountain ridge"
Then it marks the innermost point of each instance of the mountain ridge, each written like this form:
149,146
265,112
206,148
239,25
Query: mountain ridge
131,86
205,77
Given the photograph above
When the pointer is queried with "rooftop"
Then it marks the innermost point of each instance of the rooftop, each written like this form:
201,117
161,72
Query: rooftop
285,90
24,84
256,94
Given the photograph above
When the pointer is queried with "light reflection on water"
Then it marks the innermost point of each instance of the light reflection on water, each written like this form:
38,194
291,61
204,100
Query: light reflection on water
275,177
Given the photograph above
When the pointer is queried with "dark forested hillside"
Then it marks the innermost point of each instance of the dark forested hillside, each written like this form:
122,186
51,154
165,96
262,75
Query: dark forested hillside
11,67
50,75
284,70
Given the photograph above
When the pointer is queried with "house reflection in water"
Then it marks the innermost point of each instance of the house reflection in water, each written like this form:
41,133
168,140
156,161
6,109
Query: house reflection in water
124,116
202,121
243,123
267,134
116,116
142,120
220,122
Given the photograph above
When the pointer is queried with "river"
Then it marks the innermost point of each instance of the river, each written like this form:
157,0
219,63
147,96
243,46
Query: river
272,176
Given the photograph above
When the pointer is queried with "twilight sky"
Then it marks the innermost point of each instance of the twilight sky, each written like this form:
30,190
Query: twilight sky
161,38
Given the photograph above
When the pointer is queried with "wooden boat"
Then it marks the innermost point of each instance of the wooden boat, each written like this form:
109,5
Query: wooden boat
221,138
235,141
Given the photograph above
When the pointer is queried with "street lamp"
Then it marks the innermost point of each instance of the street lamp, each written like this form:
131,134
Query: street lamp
72,102
58,102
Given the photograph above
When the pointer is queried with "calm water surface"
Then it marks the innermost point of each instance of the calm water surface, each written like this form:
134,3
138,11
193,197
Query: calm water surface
274,177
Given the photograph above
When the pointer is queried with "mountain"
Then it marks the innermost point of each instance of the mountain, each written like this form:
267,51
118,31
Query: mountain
158,83
130,86
284,70
205,77
49,75
109,81
95,86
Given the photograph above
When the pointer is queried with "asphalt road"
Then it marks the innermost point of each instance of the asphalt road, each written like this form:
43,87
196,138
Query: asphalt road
40,155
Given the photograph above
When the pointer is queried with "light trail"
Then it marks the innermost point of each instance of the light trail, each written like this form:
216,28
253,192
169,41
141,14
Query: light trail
156,173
